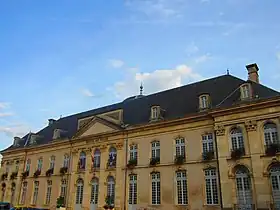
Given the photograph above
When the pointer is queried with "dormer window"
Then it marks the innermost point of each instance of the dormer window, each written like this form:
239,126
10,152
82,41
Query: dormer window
245,91
204,101
155,113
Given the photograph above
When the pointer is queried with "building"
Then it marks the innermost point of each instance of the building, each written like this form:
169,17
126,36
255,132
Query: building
208,145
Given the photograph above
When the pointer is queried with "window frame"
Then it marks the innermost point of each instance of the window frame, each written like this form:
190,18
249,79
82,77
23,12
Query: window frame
63,188
180,147
23,192
156,184
133,190
206,143
133,152
66,161
208,176
181,181
271,132
35,192
155,149
97,158
155,112
48,192
94,195
236,137
40,164
79,192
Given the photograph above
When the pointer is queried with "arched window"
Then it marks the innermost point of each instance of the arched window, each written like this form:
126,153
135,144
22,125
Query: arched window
52,162
275,184
111,189
66,161
13,190
80,191
40,164
112,157
82,161
94,191
96,158
63,189
23,193
237,141
243,188
270,134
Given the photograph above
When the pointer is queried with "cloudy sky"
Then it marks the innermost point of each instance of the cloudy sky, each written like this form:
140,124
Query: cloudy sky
59,57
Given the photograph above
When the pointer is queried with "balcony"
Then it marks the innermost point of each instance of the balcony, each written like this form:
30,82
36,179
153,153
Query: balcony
179,159
237,153
154,161
25,174
272,149
207,156
37,173
132,163
49,172
63,170
13,175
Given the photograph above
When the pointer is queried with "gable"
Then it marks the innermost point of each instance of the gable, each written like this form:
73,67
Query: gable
97,128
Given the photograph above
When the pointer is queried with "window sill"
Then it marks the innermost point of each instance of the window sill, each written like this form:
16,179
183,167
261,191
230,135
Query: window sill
234,159
265,155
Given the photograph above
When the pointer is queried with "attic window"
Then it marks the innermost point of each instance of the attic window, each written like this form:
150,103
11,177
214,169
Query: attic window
246,92
155,112
204,101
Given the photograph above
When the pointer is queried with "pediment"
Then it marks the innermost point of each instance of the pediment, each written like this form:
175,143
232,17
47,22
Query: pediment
96,126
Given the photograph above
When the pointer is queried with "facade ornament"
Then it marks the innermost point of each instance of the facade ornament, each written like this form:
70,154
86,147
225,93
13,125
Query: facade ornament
103,147
220,130
251,125
119,145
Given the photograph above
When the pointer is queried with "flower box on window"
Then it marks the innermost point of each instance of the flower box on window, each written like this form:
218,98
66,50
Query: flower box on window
132,163
179,159
209,155
49,172
13,175
4,176
60,202
25,174
63,170
237,153
272,149
109,202
37,173
154,161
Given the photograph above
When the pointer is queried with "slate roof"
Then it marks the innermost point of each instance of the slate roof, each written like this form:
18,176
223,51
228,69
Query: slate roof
177,103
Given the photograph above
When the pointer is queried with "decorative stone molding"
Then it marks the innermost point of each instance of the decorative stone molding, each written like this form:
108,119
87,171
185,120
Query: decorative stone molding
103,147
251,125
119,145
220,130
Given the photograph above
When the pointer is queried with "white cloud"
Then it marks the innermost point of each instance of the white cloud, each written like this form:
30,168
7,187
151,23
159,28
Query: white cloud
192,49
278,56
4,105
157,9
15,130
116,63
87,92
155,81
202,58
6,114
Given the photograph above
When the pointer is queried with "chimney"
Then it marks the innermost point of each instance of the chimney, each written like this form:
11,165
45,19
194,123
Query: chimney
253,72
51,121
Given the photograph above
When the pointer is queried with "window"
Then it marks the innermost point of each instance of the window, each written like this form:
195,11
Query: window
132,189
180,147
82,162
28,163
211,186
237,139
275,183
133,152
243,188
94,191
207,143
155,149
270,134
112,157
17,166
49,192
245,91
36,192
40,164
80,191
96,158
111,189
155,188
23,193
52,161
66,161
155,112
63,188
204,101
182,191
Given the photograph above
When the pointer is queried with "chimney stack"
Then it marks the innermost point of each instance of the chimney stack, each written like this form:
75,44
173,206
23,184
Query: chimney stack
253,72
51,121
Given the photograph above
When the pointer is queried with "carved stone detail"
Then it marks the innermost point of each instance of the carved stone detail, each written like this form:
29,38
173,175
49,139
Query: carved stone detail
220,130
103,147
251,125
119,145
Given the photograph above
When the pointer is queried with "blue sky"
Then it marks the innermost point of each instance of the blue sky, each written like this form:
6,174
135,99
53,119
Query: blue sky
59,57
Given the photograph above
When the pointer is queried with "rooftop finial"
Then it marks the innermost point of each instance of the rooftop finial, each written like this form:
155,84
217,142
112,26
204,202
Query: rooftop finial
227,71
141,89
